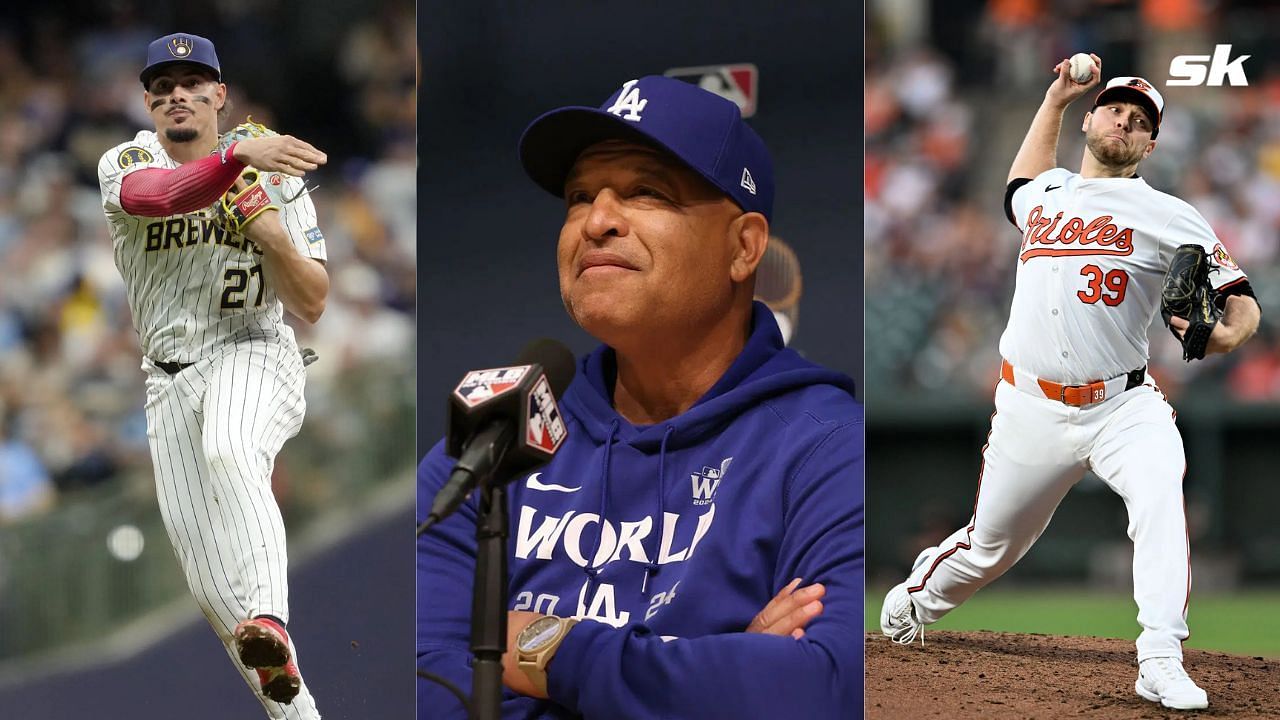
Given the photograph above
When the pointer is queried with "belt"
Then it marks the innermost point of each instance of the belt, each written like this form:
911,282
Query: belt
1073,395
172,368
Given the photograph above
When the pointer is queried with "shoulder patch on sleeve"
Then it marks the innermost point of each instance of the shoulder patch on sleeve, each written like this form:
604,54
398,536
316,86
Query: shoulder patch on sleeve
133,155
1223,258
314,236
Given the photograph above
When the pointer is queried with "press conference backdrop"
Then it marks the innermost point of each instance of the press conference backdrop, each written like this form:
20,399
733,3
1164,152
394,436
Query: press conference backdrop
950,91
487,268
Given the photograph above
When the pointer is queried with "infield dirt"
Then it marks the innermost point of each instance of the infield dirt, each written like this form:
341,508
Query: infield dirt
958,675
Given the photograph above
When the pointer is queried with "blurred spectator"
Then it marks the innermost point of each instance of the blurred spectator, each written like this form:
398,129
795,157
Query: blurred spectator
25,488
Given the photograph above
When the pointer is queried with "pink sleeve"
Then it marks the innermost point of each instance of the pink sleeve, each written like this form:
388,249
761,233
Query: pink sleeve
157,192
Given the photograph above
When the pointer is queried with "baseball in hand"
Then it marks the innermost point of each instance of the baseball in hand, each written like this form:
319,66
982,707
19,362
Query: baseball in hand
1081,70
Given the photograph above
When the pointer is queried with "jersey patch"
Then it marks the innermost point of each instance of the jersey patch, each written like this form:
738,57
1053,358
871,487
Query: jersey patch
132,156
314,236
1223,258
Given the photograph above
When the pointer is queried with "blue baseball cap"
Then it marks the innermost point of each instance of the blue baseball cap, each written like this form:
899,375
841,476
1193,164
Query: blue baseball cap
180,48
703,130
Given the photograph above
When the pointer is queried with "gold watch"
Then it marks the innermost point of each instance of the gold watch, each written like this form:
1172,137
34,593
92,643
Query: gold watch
536,645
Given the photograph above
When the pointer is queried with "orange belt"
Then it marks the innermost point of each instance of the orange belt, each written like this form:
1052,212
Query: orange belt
1073,395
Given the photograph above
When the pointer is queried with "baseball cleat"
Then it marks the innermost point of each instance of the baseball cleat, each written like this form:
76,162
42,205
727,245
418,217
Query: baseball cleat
898,617
1164,681
264,646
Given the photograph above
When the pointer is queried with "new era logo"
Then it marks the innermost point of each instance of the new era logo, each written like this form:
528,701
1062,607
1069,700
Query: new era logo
748,182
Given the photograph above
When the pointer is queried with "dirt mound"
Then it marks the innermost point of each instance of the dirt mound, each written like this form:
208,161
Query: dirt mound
1008,675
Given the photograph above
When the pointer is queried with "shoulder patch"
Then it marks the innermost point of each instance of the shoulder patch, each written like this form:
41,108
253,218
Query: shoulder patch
1223,258
314,236
133,155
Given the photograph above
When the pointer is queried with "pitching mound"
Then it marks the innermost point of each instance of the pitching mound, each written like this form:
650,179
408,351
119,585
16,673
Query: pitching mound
1008,675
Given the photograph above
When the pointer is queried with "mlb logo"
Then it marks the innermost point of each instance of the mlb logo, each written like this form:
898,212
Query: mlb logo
736,83
482,385
546,429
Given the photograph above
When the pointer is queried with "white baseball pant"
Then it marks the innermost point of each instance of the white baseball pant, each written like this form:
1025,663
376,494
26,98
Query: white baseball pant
214,430
1036,451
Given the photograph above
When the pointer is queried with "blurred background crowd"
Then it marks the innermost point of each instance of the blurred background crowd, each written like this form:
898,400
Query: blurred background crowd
951,88
338,74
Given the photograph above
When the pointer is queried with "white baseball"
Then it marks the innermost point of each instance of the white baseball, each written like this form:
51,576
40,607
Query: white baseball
1081,68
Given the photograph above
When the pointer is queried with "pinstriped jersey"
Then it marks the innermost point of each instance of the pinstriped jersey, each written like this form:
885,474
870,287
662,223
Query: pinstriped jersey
1091,266
193,287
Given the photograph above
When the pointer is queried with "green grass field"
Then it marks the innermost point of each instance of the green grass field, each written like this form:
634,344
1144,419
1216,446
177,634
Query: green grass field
1243,623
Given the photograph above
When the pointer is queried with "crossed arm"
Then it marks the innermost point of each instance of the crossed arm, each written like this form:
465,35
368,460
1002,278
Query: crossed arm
801,656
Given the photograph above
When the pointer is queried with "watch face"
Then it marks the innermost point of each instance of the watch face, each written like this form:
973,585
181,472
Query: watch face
538,633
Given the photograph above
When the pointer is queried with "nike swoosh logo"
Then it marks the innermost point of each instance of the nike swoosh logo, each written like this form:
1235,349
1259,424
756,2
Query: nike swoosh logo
1051,188
534,484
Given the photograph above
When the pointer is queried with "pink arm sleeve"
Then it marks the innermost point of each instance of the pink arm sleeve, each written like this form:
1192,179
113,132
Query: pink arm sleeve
156,192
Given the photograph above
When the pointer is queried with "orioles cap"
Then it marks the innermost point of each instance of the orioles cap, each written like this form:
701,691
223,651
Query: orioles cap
180,48
701,129
1135,90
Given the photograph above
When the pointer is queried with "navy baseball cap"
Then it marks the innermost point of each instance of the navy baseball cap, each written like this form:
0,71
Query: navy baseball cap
703,130
180,48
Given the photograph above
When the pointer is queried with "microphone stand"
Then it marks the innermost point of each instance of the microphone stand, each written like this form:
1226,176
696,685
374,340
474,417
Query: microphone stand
489,602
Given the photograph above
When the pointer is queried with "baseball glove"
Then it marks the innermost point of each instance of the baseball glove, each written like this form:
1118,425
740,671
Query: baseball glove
254,193
1188,295
246,129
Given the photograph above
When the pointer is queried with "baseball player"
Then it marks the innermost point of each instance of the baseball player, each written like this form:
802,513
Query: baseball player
224,374
1073,393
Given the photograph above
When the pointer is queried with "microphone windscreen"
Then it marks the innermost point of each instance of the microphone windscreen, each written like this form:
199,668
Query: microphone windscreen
556,361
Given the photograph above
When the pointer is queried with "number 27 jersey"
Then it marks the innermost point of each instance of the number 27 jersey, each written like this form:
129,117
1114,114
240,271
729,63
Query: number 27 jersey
193,287
1092,261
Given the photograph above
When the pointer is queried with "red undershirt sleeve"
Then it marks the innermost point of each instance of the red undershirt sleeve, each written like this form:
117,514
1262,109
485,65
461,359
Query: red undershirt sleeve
157,192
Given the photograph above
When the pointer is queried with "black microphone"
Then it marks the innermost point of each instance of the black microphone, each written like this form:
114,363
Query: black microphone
503,421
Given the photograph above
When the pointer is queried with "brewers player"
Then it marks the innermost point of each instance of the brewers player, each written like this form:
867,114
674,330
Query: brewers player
1073,393
224,374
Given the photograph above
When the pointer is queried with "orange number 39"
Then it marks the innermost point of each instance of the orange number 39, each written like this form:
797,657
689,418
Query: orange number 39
1108,287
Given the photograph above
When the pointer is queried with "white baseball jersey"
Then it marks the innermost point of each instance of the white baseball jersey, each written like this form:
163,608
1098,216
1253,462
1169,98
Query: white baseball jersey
1092,262
1091,266
194,287
199,298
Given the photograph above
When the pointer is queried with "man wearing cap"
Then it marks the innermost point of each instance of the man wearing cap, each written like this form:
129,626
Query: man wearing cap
694,550
1074,393
224,373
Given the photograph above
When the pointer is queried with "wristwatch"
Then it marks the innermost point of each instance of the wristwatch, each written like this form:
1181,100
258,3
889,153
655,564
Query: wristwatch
537,644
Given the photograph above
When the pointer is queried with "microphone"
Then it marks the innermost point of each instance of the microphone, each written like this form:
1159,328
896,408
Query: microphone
503,421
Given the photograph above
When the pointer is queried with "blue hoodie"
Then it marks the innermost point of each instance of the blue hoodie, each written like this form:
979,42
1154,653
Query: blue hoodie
706,517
